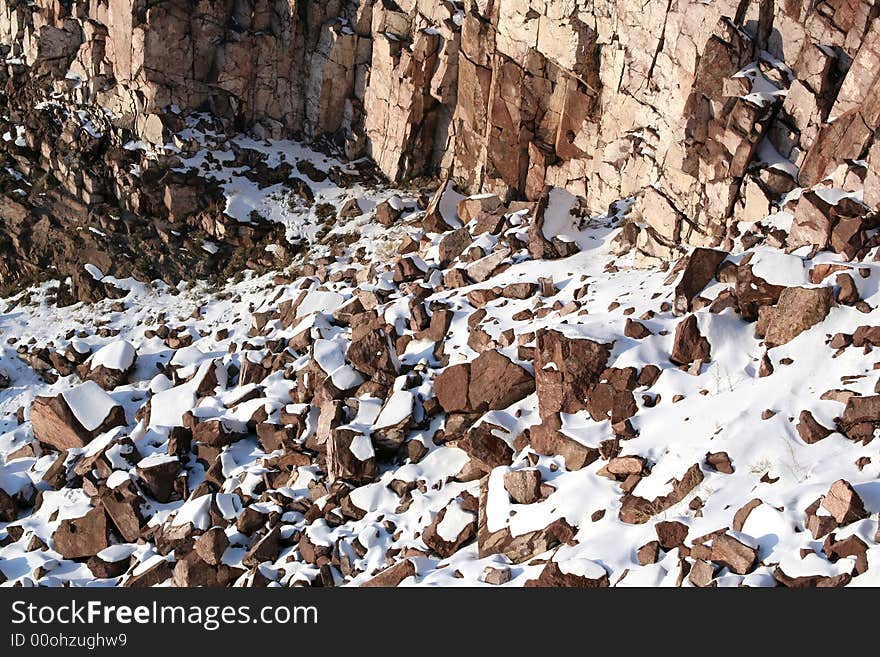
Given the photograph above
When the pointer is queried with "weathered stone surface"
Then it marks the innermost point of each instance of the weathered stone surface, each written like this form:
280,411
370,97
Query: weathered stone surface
393,575
523,486
565,370
554,575
492,381
56,424
738,557
77,538
689,345
700,269
844,503
799,308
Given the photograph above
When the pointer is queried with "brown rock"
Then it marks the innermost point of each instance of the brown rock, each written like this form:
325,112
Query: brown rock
866,335
799,308
810,430
490,382
811,581
553,576
81,537
56,424
740,517
496,576
211,545
350,457
701,574
738,557
689,344
699,271
485,448
393,576
844,503
671,534
159,478
565,370
264,549
848,293
438,536
523,546
720,462
523,486
387,213
636,510
191,571
636,330
547,439
649,553
152,576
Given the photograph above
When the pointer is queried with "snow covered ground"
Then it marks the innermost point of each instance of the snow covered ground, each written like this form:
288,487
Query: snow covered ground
335,532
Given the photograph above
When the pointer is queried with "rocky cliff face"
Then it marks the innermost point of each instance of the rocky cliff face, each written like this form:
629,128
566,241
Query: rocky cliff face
702,112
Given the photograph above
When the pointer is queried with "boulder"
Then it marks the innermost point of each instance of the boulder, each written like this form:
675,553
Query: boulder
689,344
78,538
565,370
490,382
73,418
701,266
453,528
799,308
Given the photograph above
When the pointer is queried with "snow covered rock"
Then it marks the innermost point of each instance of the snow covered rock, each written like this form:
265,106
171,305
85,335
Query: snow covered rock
110,366
350,456
451,529
571,573
76,416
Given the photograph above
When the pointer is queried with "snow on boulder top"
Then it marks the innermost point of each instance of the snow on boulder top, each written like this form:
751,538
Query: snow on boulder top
330,357
196,511
319,301
117,478
778,268
398,408
117,355
116,553
362,447
94,272
80,346
167,407
89,403
189,356
156,459
454,521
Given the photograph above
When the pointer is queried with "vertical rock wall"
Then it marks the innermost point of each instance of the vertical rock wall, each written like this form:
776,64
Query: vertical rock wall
699,110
